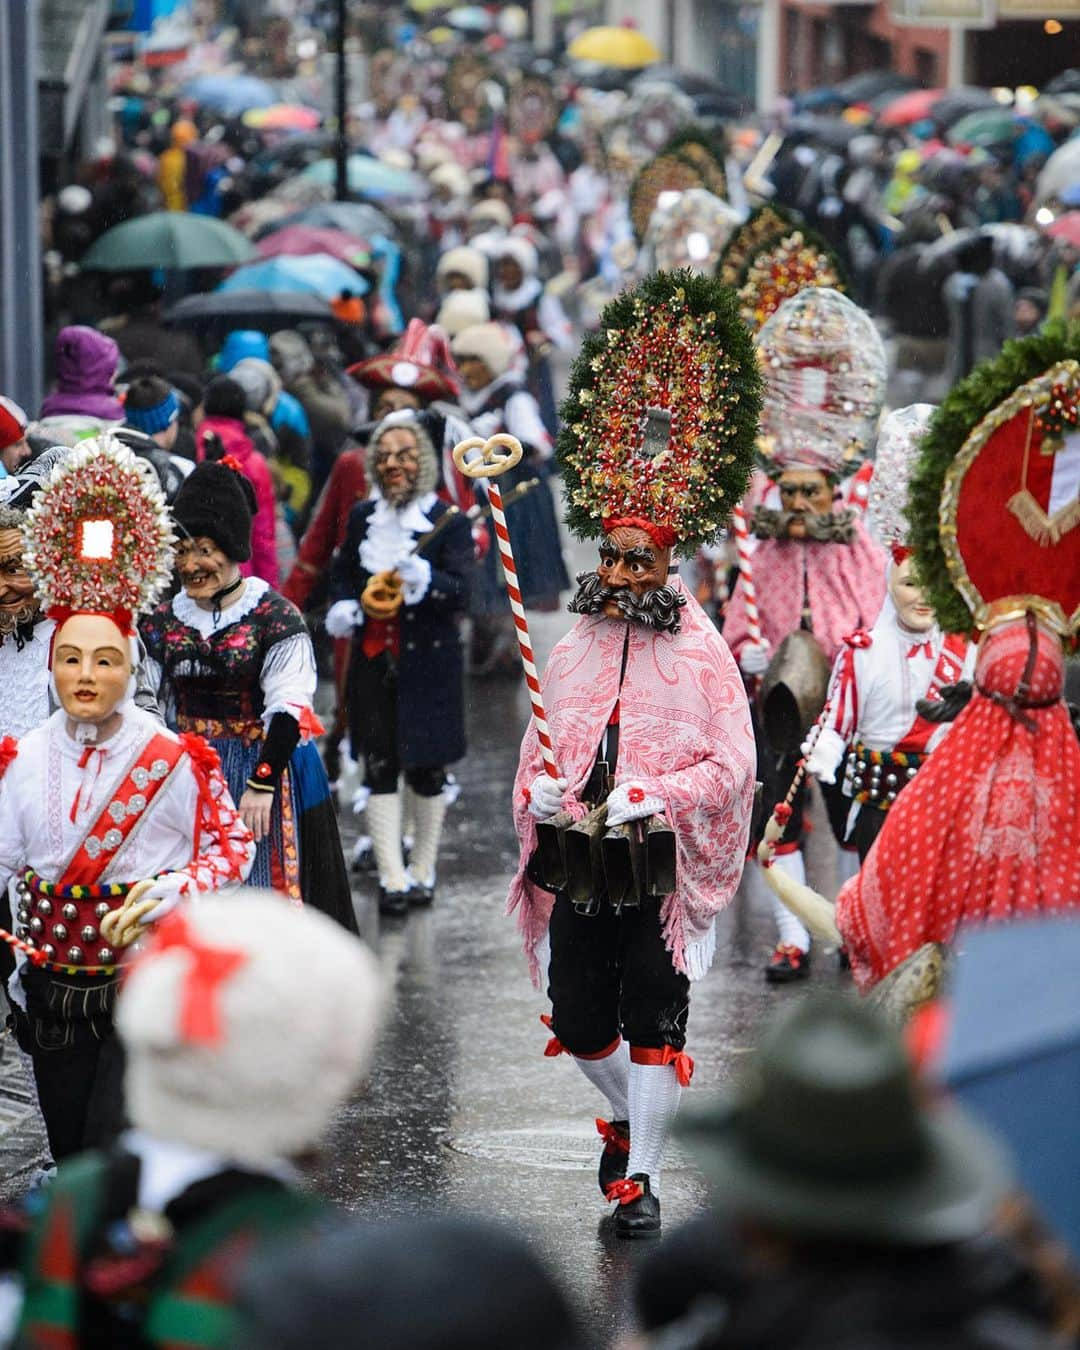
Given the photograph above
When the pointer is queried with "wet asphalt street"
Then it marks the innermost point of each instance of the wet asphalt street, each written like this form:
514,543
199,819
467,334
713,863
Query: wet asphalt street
462,1109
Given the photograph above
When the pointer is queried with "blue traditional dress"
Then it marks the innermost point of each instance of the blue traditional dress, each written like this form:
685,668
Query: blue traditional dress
227,676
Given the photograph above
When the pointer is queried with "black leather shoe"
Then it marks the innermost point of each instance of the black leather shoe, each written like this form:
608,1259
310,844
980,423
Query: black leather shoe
616,1154
393,904
421,896
636,1217
786,964
363,858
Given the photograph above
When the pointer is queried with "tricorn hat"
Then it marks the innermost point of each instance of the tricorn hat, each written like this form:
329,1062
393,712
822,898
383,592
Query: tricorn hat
825,1136
421,362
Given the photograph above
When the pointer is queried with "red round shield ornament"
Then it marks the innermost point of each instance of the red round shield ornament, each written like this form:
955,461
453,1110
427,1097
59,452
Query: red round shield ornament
1010,509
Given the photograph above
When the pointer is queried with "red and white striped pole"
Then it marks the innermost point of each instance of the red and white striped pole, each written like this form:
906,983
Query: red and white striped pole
489,465
746,572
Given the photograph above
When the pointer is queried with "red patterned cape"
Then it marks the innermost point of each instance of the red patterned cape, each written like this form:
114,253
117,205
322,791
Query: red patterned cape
989,829
684,735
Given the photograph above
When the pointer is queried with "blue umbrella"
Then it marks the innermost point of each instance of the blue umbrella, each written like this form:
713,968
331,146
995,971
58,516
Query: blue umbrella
369,177
315,274
1013,1054
230,94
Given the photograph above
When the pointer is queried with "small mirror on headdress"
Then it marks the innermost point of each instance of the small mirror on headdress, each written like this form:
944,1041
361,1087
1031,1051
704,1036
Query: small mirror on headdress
96,540
657,433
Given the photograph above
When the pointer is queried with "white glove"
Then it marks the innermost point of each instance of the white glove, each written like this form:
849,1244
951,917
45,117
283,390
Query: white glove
167,891
754,658
630,801
342,617
823,760
545,796
415,574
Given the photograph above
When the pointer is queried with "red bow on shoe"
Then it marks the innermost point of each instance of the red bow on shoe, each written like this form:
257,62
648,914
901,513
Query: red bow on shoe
625,1191
612,1137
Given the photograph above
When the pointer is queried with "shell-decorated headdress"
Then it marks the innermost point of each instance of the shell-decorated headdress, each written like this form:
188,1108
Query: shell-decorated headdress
99,538
894,459
659,423
825,371
994,501
689,229
772,257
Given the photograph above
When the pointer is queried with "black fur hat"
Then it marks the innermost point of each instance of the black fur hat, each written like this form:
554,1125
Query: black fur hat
217,502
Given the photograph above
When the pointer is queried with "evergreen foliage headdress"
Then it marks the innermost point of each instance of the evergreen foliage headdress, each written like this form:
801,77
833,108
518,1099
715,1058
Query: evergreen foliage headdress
772,257
659,424
691,159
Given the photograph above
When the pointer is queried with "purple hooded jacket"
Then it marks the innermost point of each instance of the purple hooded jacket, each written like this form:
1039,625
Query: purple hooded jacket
86,362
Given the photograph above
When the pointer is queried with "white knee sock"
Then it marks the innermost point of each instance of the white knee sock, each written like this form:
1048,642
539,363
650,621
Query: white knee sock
654,1099
610,1076
428,813
847,865
384,821
790,930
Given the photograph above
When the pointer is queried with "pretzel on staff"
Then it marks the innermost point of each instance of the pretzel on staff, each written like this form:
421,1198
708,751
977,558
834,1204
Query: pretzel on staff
496,455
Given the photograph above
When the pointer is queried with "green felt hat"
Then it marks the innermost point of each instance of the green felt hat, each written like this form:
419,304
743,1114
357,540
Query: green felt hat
825,1135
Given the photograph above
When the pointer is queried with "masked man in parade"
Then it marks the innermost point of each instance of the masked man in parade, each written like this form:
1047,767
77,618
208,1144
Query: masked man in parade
885,713
815,568
107,820
399,588
646,710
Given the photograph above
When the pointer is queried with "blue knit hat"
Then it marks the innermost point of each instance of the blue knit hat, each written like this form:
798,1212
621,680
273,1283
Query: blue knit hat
156,418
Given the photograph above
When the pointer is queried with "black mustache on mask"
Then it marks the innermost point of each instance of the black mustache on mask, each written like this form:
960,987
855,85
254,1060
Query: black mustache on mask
830,527
657,609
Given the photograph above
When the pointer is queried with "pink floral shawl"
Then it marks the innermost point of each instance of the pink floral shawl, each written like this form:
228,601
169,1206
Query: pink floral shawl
845,582
684,736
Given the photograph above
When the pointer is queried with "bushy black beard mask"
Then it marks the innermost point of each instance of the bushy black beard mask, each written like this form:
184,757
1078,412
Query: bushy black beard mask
834,527
657,609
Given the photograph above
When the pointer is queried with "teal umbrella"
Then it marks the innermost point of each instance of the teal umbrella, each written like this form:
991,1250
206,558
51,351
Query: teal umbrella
369,177
987,127
168,239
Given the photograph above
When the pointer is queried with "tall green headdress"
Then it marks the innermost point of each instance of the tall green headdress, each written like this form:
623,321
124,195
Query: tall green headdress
660,421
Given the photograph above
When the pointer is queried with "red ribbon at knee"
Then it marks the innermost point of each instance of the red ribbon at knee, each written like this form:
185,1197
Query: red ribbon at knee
684,1065
554,1046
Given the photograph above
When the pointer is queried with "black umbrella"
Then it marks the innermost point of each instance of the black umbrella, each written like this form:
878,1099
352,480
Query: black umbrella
685,80
606,79
939,258
862,88
266,310
958,103
1068,82
831,132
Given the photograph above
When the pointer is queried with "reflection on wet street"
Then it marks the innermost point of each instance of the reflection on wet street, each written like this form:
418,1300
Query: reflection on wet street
463,1110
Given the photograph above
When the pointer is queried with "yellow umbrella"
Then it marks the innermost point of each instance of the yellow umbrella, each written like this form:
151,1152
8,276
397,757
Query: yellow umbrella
609,46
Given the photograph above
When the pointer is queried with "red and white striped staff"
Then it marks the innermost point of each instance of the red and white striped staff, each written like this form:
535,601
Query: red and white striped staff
746,573
497,455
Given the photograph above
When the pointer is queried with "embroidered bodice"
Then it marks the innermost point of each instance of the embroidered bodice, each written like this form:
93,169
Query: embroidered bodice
253,660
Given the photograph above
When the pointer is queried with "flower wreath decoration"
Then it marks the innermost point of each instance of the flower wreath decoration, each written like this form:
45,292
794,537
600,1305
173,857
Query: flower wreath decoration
774,257
672,346
99,536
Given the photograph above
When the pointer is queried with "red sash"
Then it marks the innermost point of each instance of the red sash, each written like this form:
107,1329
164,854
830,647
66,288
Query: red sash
143,781
949,668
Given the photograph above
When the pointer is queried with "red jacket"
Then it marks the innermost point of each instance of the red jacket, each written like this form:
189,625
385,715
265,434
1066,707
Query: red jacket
325,534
